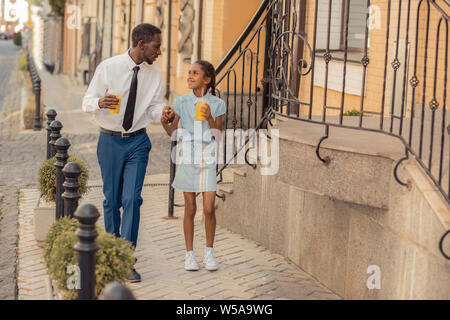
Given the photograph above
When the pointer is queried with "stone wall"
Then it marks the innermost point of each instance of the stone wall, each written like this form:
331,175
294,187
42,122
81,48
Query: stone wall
336,221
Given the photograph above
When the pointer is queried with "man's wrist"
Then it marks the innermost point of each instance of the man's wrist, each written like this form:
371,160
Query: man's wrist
98,103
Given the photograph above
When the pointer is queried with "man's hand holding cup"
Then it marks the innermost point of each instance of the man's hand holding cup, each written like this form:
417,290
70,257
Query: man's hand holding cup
108,102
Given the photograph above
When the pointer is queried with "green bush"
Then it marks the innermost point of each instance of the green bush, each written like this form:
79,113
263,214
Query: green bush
63,224
114,260
58,7
17,39
352,113
22,62
47,177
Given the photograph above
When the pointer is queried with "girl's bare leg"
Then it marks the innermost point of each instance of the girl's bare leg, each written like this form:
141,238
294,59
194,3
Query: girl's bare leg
190,207
210,216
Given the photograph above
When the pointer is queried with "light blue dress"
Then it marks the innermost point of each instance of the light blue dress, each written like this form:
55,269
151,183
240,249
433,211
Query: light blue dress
197,153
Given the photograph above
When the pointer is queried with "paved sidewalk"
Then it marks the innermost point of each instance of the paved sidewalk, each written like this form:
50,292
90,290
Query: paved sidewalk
248,271
32,279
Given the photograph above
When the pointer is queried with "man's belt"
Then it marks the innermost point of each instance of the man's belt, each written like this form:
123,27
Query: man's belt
123,134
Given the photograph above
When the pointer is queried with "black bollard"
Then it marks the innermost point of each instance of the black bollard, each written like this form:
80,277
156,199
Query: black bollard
87,215
37,95
116,291
55,127
71,185
51,115
62,144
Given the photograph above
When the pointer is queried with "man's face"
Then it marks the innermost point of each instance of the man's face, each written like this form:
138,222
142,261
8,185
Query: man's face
151,50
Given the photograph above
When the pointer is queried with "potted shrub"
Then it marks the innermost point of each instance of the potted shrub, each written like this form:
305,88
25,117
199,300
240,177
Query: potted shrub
114,259
45,212
17,39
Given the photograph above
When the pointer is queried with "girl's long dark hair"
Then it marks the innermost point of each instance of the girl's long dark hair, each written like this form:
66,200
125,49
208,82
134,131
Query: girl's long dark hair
210,72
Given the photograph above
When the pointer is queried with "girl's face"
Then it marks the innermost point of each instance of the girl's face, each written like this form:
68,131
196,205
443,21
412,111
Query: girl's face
196,77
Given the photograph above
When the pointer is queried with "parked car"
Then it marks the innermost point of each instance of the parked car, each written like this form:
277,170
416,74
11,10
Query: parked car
8,34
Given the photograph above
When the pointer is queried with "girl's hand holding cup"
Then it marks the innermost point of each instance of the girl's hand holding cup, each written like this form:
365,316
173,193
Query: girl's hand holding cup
205,111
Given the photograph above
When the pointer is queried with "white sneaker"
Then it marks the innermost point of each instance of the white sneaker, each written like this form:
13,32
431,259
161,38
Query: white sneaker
209,261
190,264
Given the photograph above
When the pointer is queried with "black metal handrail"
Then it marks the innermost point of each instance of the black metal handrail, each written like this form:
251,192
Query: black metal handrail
392,119
247,116
243,37
234,60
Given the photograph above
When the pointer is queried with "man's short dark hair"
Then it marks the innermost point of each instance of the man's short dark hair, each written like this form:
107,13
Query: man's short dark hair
145,32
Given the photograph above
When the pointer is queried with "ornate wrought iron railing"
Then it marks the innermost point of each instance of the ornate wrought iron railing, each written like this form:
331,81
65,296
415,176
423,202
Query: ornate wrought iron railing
243,85
395,80
240,84
373,65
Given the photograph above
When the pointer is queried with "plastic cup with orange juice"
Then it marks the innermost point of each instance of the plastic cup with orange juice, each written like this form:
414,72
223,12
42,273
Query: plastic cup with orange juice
118,95
201,102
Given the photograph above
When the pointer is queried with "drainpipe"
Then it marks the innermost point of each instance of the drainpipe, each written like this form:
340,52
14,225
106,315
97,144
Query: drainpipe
200,22
139,11
103,24
112,29
169,42
129,23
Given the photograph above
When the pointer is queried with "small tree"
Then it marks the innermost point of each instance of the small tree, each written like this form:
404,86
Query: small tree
58,7
17,39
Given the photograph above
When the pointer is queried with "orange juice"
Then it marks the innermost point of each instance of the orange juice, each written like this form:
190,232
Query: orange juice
117,109
201,102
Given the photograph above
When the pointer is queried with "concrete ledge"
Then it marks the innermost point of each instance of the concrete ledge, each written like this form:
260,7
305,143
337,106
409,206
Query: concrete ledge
337,221
430,193
357,159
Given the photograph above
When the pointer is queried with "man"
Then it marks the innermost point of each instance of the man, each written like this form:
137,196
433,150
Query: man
123,146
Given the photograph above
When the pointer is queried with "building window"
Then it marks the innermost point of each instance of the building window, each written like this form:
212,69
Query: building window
356,43
356,28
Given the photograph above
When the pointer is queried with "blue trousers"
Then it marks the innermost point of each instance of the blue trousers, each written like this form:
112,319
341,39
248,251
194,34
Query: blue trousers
123,163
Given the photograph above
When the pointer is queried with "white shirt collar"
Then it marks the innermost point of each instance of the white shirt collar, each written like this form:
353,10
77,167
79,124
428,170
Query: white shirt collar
130,62
193,96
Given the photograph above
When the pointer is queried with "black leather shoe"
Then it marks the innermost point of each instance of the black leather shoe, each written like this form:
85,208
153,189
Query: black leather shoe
134,276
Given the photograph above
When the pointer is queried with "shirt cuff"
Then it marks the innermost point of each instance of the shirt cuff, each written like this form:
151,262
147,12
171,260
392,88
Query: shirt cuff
156,113
91,105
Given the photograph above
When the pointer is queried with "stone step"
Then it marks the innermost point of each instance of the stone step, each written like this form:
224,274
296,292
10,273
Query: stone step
240,171
228,188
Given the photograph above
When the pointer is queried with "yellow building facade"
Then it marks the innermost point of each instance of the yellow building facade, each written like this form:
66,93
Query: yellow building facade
207,29
204,29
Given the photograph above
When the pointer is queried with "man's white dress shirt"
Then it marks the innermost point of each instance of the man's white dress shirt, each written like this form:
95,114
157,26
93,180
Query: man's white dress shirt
114,74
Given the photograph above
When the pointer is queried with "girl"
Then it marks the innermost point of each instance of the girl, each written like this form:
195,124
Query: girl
197,170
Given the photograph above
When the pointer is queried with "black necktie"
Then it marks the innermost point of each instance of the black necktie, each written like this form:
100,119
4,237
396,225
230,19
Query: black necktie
129,112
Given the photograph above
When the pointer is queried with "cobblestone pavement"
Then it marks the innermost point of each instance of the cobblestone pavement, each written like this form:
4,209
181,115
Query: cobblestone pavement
247,270
10,80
